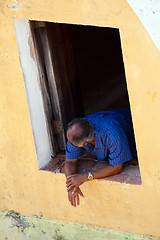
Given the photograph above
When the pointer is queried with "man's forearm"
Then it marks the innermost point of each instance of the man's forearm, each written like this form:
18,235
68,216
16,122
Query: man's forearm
76,180
106,171
102,172
70,167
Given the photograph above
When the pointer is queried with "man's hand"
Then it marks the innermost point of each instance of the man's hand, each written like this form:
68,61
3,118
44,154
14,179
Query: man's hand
74,198
75,180
71,169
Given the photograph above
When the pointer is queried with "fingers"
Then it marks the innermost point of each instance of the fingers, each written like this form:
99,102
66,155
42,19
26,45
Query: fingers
70,176
69,183
73,201
74,190
74,197
80,192
70,187
77,199
68,180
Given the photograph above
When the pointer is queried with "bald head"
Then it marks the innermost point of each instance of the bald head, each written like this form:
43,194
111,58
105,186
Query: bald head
75,129
79,131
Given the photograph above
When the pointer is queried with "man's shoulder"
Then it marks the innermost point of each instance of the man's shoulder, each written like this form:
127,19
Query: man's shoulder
113,114
98,115
105,121
100,121
95,118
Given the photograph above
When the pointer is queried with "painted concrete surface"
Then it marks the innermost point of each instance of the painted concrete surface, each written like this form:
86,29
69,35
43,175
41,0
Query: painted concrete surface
25,189
129,175
14,226
148,11
33,92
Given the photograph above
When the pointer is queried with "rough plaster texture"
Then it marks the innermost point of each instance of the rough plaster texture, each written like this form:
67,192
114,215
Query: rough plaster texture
17,227
25,189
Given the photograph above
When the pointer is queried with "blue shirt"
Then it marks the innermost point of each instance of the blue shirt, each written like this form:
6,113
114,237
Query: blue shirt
114,138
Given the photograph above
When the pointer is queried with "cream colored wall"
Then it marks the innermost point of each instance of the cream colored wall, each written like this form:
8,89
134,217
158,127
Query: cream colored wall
25,189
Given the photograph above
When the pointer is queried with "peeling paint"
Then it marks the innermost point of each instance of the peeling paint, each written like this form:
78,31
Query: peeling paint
18,221
12,7
29,227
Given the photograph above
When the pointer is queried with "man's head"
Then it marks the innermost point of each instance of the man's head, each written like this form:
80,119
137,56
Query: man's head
80,132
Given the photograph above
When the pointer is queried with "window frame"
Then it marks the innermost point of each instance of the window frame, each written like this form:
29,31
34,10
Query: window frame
26,40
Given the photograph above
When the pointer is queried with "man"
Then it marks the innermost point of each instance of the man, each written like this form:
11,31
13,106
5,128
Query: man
109,136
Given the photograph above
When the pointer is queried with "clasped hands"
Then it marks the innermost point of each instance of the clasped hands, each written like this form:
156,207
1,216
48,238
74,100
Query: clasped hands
72,183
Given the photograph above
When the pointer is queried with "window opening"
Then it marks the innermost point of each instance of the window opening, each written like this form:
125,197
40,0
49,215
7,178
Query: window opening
100,67
82,72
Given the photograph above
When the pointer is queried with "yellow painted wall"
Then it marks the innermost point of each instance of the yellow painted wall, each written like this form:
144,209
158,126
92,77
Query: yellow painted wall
25,189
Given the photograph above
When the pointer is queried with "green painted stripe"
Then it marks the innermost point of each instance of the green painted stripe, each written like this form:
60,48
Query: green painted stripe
14,226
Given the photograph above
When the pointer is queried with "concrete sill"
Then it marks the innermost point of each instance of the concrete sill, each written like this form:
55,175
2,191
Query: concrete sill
129,175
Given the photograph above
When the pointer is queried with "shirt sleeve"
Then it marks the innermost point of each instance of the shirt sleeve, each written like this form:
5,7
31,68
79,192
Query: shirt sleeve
73,152
118,146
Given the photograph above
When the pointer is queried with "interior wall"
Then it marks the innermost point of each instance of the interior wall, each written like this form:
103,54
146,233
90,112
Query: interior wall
99,80
100,68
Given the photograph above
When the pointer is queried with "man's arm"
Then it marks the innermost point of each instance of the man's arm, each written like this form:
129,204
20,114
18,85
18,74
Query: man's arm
70,166
70,169
107,171
76,180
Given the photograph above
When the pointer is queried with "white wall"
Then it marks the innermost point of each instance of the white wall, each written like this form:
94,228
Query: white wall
148,11
33,92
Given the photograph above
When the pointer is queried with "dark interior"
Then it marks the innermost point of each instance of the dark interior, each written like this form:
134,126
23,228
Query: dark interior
100,68
88,69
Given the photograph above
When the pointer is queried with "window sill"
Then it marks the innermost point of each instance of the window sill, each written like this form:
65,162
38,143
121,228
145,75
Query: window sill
129,175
